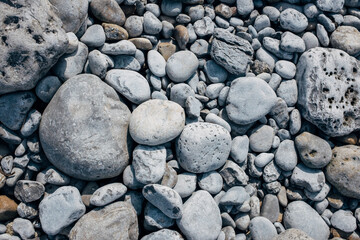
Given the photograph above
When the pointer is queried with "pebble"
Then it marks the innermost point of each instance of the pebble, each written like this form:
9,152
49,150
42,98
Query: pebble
330,6
47,87
123,47
108,11
311,179
293,20
186,184
261,139
233,175
262,229
204,27
134,26
154,219
244,7
235,196
346,39
292,43
107,194
94,36
8,208
171,8
181,35
214,72
181,66
28,191
292,233
24,228
152,25
156,63
285,156
163,234
285,69
263,159
114,32
99,63
211,182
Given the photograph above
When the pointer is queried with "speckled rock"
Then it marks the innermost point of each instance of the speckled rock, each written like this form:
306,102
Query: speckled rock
292,234
347,39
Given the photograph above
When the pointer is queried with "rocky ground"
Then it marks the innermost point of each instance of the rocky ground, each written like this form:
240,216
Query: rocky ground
179,119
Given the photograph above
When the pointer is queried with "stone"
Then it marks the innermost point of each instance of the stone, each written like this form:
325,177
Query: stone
59,209
270,208
107,194
203,147
285,156
288,91
186,184
242,221
115,221
28,191
330,6
170,177
244,7
156,63
31,123
343,221
94,36
163,234
300,215
171,8
293,20
7,208
231,52
285,69
200,47
261,138
235,196
142,43
211,182
314,151
152,25
201,217
73,42
342,170
214,72
108,11
27,210
99,63
293,233
263,159
129,84
152,129
114,32
346,38
181,66
292,43
334,107
149,163
181,35
54,176
262,229
47,87
309,178
180,92
166,49
233,175
126,62
134,26
24,228
249,99
154,219
239,148
123,47
14,108
271,172
322,35
31,45
204,27
97,116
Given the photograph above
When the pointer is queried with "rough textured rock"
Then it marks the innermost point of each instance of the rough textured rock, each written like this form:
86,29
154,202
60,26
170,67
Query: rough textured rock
203,147
115,221
163,234
32,42
342,171
329,83
201,217
292,234
83,114
28,191
249,99
231,52
346,38
300,215
156,122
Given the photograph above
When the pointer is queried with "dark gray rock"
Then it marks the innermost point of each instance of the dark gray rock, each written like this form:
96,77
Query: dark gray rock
14,108
83,114
328,84
233,175
32,42
115,221
47,87
28,191
270,207
203,147
231,52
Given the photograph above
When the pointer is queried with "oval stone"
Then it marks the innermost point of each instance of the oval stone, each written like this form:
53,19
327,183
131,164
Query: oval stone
181,66
84,114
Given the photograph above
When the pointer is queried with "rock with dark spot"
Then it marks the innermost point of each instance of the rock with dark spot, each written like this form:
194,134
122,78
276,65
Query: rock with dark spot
32,41
108,11
84,114
329,86
28,191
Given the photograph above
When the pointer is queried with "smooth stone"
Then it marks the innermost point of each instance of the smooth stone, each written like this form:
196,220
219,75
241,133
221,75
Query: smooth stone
214,72
334,107
320,195
322,35
233,175
107,194
311,179
201,217
347,39
75,147
343,221
134,25
270,208
73,42
292,233
204,27
203,147
115,221
262,138
300,215
123,47
239,148
8,208
330,6
170,177
47,87
149,163
55,177
280,111
28,191
211,182
136,199
200,47
342,170
142,43
311,41
181,35
262,229
244,7
14,108
155,122
263,159
292,43
129,84
181,66
163,234
108,11
94,36
235,196
59,209
126,62
156,63
31,123
99,63
154,219
249,99
114,32
285,155
164,198
242,221
314,151
24,228
152,25
186,184
180,92
293,20
171,8
285,69
30,45
288,91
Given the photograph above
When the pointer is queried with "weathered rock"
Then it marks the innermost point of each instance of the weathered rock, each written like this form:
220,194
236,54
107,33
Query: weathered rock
330,6
32,42
7,208
156,122
292,234
28,191
231,52
83,114
115,221
249,99
107,194
309,178
203,147
155,219
108,11
329,83
181,66
347,39
163,234
342,171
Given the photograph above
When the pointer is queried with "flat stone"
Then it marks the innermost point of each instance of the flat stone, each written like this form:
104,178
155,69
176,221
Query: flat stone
107,194
152,129
214,72
129,84
119,219
311,179
156,63
249,99
126,62
203,147
231,52
341,172
99,63
114,32
201,217
292,43
30,45
302,216
28,191
347,39
94,36
343,221
235,196
328,83
270,207
97,116
244,7
59,209
314,151
181,66
285,156
108,11
239,148
262,229
261,138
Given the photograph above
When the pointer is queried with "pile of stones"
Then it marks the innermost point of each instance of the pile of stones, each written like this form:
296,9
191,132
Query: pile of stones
179,119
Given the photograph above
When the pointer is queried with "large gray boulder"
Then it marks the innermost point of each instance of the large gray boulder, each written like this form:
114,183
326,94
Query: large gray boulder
329,83
83,130
32,41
